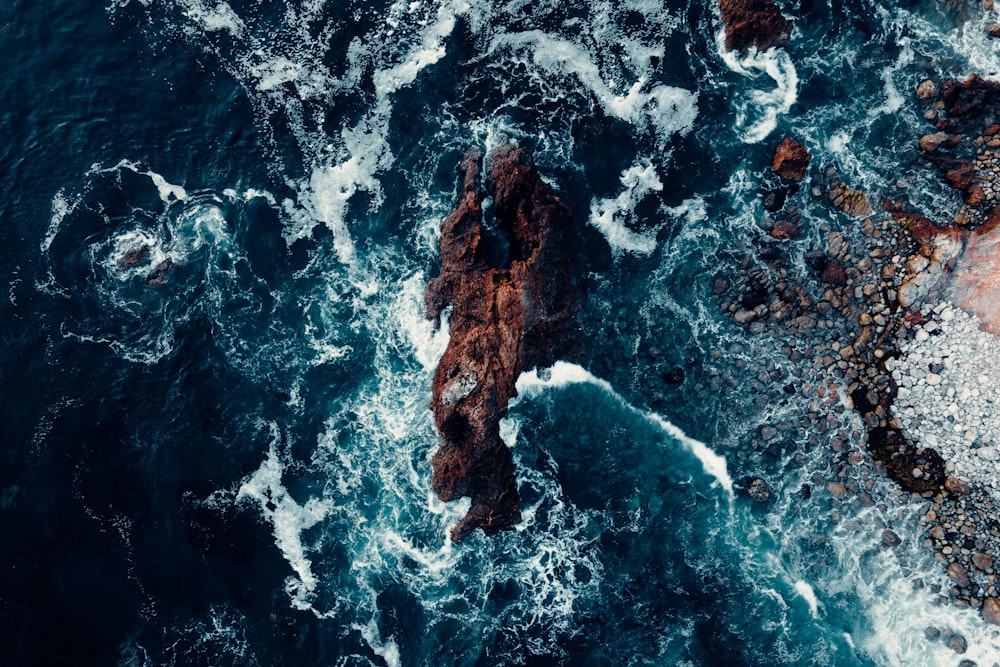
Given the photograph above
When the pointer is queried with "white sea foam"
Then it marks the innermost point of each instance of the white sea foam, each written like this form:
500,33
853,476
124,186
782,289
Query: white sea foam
896,612
666,110
531,383
168,191
757,113
809,595
610,215
893,99
288,518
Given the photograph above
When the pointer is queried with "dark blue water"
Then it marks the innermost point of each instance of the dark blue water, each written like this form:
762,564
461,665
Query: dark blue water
229,465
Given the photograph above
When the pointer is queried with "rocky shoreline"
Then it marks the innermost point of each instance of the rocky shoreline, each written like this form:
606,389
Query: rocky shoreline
904,333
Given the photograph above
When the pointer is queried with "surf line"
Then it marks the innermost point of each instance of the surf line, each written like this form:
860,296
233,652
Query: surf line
533,383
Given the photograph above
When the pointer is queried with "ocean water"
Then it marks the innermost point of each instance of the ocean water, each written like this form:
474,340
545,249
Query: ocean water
232,467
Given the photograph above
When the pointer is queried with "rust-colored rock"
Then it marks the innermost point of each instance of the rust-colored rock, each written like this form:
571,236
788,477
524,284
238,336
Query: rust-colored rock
991,611
791,160
783,229
514,301
833,273
137,255
966,102
968,107
753,23
927,90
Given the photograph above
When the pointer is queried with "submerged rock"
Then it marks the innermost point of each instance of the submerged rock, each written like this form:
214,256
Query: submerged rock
514,299
159,273
758,490
137,255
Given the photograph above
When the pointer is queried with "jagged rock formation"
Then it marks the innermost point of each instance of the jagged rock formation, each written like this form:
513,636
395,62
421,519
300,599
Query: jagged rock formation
753,23
511,284
791,160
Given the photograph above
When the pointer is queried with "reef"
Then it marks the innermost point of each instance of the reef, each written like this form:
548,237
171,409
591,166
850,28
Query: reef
508,276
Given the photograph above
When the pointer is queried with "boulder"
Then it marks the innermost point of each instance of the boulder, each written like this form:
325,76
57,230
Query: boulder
958,574
791,160
833,273
991,610
159,273
759,490
783,229
137,255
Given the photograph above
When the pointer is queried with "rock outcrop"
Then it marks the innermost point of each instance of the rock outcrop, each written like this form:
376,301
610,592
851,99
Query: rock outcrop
791,160
955,264
965,147
753,23
511,286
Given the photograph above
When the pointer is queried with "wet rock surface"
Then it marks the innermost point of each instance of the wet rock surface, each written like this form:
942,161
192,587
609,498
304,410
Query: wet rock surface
849,322
753,23
508,277
791,160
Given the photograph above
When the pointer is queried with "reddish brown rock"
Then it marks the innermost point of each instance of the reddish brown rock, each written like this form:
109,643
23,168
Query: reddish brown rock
753,23
833,273
931,142
848,200
966,102
159,273
991,611
958,574
956,486
783,229
960,174
137,255
955,264
791,160
968,107
514,302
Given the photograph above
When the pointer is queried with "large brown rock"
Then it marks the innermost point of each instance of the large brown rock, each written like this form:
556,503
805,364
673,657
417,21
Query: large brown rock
791,160
512,289
753,23
991,611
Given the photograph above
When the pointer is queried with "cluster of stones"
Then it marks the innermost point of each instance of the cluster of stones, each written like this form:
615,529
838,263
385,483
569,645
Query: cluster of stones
966,145
934,402
835,339
944,376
